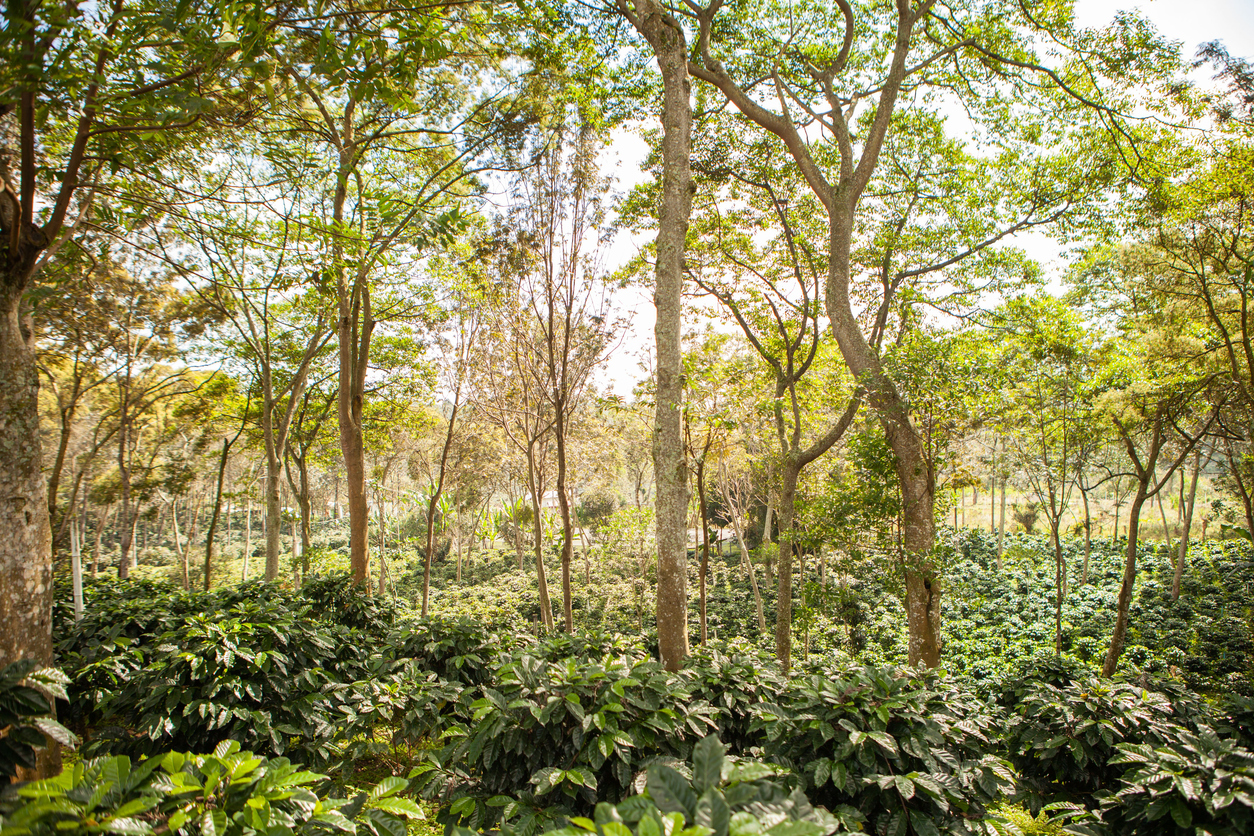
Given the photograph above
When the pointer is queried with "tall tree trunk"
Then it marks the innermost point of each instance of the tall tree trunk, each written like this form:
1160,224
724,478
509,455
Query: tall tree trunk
1088,537
1162,514
305,501
1125,587
25,535
568,526
248,538
102,518
126,519
354,329
705,550
217,509
542,582
1001,524
783,601
666,36
178,546
274,516
747,564
65,410
434,500
76,565
1188,507
1060,572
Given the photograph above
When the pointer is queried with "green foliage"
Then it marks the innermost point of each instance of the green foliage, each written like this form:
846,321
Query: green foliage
228,791
1191,783
460,650
733,680
27,695
723,797
254,672
1064,739
912,752
506,729
565,731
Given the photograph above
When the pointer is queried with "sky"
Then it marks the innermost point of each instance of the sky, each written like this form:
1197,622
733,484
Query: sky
1192,22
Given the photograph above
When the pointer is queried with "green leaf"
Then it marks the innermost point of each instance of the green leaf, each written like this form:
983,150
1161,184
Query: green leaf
400,807
670,791
707,763
1181,813
387,786
923,824
713,812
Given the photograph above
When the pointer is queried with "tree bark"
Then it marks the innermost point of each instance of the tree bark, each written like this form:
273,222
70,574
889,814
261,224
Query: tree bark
1060,570
1124,599
1088,537
542,583
217,510
705,550
568,526
25,533
1001,524
1188,525
666,36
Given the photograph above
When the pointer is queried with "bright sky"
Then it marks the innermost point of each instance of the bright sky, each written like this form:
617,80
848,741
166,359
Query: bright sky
1192,22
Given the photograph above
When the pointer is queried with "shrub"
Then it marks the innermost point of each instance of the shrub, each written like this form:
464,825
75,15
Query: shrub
255,674
910,752
26,715
722,798
227,791
569,732
1064,739
734,679
1191,783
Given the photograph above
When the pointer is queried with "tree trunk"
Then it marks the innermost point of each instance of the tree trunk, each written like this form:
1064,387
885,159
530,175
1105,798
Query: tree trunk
126,519
783,600
1059,579
1162,513
1001,524
1125,588
563,504
66,412
666,37
705,550
248,539
25,534
747,564
274,518
305,502
182,552
992,497
102,519
1088,537
354,329
1188,507
542,582
76,566
217,510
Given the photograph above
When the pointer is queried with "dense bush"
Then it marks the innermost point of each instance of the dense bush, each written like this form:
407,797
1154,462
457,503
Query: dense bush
27,716
908,751
225,792
1187,784
734,680
568,731
1064,739
508,728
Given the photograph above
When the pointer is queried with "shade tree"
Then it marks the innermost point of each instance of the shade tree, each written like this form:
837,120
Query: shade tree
839,98
1052,363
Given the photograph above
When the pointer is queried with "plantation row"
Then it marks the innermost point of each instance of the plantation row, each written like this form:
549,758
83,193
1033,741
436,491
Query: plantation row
500,729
